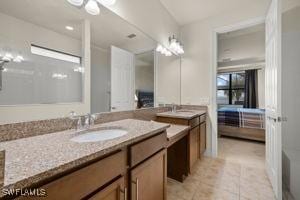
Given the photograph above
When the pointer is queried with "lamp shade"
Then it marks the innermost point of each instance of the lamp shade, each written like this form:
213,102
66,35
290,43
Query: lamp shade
76,2
92,7
107,2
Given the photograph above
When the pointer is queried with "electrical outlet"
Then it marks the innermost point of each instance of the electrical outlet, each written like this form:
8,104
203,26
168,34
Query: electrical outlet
204,101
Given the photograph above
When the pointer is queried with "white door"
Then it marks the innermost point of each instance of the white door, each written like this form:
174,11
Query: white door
122,80
273,96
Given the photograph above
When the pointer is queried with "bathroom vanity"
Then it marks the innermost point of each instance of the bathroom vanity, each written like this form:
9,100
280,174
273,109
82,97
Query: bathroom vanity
195,142
120,168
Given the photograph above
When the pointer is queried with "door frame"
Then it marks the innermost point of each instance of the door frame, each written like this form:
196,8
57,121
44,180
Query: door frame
214,106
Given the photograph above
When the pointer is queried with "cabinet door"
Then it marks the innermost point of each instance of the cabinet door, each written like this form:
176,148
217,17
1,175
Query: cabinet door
194,146
202,138
148,180
114,191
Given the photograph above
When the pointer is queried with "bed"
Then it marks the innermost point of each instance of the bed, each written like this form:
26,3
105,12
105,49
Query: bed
145,99
242,123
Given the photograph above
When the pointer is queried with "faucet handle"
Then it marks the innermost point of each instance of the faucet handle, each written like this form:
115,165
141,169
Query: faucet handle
73,115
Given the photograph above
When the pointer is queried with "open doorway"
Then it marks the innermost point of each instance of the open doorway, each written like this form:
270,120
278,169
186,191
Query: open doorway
144,80
241,95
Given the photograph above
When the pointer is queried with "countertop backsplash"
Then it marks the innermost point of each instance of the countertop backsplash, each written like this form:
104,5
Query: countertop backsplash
33,128
2,167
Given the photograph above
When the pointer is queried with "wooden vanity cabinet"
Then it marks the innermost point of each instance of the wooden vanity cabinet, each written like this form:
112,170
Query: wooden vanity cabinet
196,138
148,180
114,191
194,147
137,172
148,168
202,138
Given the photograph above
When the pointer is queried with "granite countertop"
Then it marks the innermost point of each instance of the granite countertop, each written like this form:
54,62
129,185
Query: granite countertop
174,130
31,160
182,114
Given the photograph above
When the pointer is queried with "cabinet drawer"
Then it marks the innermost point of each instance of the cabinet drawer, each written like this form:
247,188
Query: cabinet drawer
148,180
202,118
194,122
146,148
83,182
115,191
171,120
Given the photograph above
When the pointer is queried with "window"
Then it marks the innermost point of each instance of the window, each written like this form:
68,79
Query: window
231,88
42,51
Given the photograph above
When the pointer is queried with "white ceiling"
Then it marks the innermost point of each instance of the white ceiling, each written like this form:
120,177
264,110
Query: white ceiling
188,11
106,29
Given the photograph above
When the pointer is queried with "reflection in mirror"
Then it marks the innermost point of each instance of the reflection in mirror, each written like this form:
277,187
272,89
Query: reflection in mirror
168,80
122,65
144,80
45,60
39,62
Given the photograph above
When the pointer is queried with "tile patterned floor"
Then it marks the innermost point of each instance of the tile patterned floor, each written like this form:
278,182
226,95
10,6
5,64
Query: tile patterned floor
238,174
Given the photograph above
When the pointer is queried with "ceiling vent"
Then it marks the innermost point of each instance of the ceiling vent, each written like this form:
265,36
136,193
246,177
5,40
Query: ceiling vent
131,36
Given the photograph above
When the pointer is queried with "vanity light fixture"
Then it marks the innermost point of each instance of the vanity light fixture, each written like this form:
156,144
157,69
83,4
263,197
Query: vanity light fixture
76,2
8,57
163,50
107,2
91,6
18,59
175,46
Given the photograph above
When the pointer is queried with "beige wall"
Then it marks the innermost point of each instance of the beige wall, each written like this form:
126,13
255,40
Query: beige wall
251,45
167,79
150,16
197,61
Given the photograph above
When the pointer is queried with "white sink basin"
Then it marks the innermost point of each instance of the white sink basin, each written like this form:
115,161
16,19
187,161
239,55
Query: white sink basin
99,135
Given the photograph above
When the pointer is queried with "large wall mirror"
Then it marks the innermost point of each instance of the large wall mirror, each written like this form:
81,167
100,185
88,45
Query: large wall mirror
44,59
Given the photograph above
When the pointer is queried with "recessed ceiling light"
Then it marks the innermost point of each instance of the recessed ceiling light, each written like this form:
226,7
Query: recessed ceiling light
70,28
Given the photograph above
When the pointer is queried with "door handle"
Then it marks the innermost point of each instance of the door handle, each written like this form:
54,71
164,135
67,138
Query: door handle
279,119
113,108
272,118
136,182
125,193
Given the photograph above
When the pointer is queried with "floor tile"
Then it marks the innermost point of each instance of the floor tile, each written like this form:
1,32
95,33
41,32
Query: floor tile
238,173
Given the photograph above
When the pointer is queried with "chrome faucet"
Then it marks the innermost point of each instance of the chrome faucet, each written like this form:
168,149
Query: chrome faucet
174,107
89,120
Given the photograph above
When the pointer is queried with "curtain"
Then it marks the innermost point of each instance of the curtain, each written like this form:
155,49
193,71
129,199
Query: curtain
250,89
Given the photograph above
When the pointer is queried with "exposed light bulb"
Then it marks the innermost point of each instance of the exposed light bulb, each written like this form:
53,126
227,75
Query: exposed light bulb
168,53
7,57
173,44
76,2
92,7
107,2
18,59
159,48
164,50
